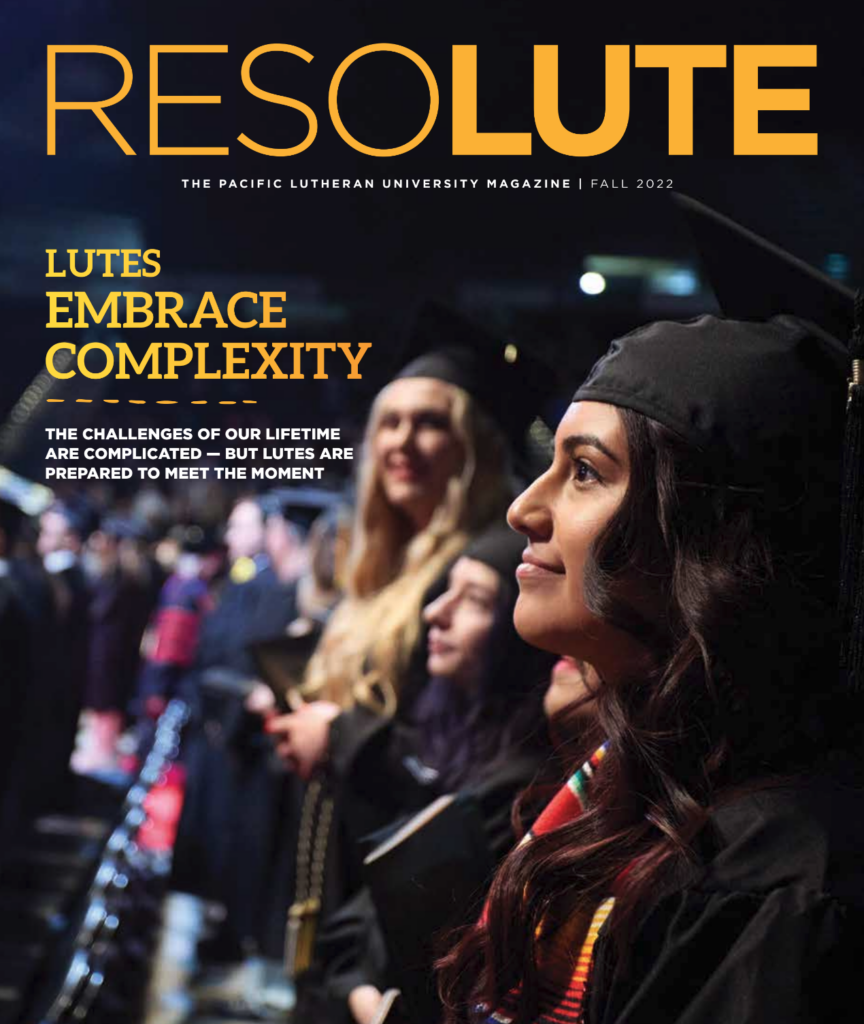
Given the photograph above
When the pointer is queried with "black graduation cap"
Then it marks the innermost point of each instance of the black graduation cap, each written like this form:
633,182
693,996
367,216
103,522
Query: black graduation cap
299,505
754,278
765,399
500,548
505,378
775,281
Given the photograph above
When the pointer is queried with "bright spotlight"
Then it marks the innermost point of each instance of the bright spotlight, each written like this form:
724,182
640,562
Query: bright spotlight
592,283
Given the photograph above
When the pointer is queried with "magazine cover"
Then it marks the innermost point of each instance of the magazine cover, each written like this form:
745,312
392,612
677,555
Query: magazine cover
431,513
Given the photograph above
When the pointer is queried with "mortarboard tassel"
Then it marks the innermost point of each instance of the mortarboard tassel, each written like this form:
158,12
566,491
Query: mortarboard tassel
852,517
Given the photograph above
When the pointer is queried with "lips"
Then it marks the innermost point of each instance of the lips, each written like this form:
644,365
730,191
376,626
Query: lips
533,567
435,645
566,668
403,471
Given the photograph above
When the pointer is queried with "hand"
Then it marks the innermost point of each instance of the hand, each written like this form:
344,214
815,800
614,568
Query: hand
261,701
302,736
364,1002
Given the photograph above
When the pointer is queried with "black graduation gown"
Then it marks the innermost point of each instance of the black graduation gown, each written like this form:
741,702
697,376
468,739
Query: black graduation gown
379,784
15,671
233,785
63,639
33,775
119,609
365,774
351,943
770,928
71,644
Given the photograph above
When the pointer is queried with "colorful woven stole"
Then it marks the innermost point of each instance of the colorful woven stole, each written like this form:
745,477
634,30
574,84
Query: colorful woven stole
565,964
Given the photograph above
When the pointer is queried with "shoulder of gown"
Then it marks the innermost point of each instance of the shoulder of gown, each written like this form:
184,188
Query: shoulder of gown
767,926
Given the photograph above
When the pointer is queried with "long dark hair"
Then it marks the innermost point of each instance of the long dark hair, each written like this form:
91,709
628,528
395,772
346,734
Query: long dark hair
744,654
464,735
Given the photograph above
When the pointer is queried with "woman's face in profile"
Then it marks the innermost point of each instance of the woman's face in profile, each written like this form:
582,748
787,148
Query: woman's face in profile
461,621
415,448
561,514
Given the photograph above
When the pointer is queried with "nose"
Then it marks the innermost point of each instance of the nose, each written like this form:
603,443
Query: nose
402,436
529,514
437,612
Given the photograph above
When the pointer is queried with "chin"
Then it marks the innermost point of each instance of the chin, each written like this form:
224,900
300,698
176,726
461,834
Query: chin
404,496
436,665
541,625
532,620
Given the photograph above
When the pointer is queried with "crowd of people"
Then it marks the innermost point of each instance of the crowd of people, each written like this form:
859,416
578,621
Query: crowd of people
474,748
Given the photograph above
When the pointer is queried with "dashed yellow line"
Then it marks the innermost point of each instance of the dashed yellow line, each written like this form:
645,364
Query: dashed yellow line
143,401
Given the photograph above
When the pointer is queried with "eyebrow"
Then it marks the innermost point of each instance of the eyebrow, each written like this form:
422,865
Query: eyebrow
574,441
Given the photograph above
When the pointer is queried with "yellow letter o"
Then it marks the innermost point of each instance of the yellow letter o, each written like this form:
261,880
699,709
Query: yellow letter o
109,360
334,93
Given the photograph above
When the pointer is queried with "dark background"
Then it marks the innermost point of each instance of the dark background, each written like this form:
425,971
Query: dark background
355,263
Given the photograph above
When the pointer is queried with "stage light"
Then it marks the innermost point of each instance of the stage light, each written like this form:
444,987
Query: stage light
592,283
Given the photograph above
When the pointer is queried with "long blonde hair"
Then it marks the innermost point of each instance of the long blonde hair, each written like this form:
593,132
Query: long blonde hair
366,648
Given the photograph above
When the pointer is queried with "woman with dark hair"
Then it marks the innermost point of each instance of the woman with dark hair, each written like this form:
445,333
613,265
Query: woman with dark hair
482,706
478,728
707,862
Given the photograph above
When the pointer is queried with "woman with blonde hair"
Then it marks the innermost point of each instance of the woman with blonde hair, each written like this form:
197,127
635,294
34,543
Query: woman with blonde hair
435,467
434,472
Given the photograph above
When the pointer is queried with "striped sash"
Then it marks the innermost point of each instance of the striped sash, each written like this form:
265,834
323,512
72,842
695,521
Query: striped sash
565,963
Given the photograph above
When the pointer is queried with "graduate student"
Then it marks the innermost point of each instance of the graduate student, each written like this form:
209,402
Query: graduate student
120,604
63,531
222,844
478,729
707,863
